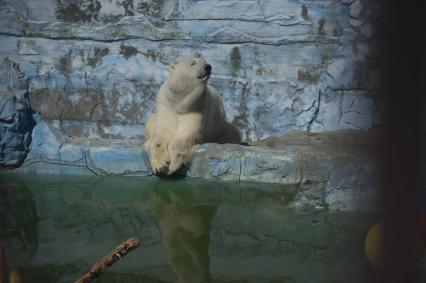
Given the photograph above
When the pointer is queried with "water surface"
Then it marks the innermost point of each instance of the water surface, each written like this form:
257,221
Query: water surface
55,227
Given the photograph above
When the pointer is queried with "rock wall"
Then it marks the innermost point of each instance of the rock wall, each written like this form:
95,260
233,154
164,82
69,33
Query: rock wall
16,121
94,66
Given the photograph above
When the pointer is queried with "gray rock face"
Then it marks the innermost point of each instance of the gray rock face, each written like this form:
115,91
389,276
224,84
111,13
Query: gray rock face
335,170
16,121
95,65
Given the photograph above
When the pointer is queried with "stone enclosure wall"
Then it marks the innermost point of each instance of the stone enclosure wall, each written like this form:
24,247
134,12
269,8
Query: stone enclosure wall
93,67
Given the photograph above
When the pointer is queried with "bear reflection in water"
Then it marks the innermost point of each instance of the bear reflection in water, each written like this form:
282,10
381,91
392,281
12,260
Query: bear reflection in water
188,112
185,234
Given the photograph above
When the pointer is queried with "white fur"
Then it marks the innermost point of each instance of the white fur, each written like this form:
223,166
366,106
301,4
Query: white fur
189,112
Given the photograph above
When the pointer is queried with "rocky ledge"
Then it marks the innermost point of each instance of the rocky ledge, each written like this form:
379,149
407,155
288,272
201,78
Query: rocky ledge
337,170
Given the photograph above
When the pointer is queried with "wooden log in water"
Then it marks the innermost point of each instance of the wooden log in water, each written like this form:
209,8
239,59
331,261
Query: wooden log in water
108,260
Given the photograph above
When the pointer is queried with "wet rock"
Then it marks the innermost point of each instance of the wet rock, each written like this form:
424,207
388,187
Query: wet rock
117,160
212,162
241,163
52,152
353,186
322,166
16,121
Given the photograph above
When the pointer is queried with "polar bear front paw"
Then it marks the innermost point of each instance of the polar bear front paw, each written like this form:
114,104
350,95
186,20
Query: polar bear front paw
179,156
161,169
159,159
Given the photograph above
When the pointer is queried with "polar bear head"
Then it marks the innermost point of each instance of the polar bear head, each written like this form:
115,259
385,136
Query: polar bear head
188,77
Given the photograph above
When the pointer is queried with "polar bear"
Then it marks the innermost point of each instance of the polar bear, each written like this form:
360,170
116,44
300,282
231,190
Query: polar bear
188,112
185,228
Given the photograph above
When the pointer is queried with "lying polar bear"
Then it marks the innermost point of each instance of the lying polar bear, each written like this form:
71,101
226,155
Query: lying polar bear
188,112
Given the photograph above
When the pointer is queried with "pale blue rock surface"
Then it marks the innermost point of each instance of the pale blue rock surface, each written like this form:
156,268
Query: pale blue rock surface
335,170
279,65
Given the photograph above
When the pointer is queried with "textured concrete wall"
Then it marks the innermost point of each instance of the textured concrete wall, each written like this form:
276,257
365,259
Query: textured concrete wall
94,66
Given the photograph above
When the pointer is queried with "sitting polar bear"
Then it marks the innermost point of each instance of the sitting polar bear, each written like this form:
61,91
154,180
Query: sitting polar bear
188,112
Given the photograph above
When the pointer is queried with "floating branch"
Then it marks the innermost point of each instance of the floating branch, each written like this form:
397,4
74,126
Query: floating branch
114,256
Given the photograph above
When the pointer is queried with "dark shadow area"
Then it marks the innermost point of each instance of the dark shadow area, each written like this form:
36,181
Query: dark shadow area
401,34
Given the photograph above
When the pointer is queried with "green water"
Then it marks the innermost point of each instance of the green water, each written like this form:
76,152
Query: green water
54,228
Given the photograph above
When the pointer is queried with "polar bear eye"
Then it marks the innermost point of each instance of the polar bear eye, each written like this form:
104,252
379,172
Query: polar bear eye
192,63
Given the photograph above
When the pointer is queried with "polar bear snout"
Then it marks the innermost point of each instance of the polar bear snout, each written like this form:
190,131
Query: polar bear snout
207,70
